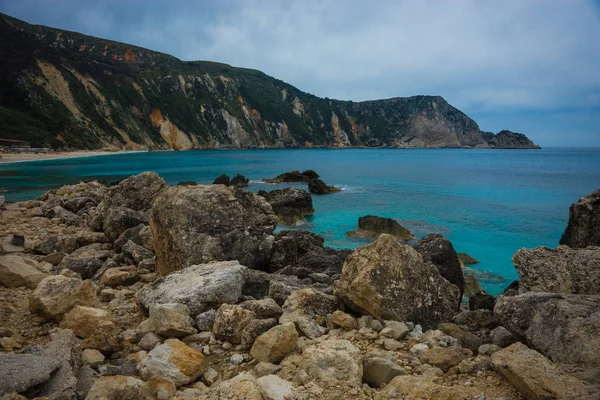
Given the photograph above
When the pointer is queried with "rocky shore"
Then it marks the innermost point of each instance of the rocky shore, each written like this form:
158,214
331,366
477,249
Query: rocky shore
140,290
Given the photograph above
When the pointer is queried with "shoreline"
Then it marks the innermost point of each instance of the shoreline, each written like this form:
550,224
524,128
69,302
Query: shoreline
13,158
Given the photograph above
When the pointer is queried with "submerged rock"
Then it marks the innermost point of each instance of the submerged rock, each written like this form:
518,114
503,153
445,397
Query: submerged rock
390,281
439,251
222,179
291,205
583,228
199,287
560,270
199,224
372,226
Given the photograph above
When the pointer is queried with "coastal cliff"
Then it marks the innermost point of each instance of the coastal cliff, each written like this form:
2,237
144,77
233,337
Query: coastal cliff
64,89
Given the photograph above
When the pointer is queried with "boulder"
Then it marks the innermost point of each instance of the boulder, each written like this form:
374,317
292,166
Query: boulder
535,376
16,271
378,371
200,287
93,190
174,360
157,388
56,244
289,246
23,371
240,387
481,301
92,357
445,357
239,181
205,320
231,321
87,321
56,295
115,387
170,320
136,192
390,281
373,226
317,186
439,251
263,308
275,388
294,176
64,347
199,224
273,345
560,270
333,361
465,339
222,179
583,228
344,320
426,387
149,341
113,277
290,204
118,219
86,260
565,328
307,308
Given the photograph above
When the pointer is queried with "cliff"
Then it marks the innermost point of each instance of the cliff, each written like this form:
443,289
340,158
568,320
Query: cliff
60,88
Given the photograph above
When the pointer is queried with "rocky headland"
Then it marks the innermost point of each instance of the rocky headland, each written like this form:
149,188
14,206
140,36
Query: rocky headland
141,290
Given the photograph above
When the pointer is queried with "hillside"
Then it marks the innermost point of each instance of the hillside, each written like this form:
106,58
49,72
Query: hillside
65,89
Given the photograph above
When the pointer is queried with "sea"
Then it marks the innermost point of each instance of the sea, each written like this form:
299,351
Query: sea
489,203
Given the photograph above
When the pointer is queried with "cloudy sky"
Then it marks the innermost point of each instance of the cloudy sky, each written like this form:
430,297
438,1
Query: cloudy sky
529,66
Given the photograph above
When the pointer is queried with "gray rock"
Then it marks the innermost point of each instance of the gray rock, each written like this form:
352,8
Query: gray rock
307,308
136,252
560,270
63,383
149,341
502,337
22,371
391,281
57,244
199,224
85,380
264,308
290,204
200,287
439,251
86,260
565,328
583,228
378,371
132,234
136,192
205,320
118,219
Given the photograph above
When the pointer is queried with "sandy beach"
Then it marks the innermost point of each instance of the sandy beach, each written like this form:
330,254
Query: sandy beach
7,158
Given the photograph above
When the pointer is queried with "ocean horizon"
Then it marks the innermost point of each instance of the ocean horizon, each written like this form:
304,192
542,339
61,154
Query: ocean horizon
488,202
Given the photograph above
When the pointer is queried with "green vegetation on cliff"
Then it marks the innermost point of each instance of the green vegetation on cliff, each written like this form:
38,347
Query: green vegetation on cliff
60,88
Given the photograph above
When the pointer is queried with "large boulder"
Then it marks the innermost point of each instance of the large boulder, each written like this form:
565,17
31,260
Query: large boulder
23,371
174,360
136,192
200,287
290,204
535,376
439,251
16,271
560,270
86,260
119,219
294,176
273,345
583,228
565,328
390,281
373,226
199,224
317,186
334,361
56,295
87,321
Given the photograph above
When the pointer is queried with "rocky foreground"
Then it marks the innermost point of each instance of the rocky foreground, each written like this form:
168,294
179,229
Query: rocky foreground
140,290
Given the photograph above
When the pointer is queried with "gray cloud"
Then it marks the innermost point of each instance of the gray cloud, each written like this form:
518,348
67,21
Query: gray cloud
487,58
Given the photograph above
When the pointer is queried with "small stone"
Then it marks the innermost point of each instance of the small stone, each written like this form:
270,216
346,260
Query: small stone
275,388
149,341
205,320
92,357
210,376
344,320
418,349
157,388
236,359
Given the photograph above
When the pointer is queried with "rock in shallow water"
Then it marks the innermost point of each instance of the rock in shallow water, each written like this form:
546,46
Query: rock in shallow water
390,281
583,228
373,226
290,204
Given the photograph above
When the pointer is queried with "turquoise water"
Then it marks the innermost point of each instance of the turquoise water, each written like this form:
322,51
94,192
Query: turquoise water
489,203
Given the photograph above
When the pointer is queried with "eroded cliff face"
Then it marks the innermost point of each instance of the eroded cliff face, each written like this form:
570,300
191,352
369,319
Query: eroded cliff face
60,88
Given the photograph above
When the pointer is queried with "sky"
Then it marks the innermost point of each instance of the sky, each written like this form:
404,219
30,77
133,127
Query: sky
531,66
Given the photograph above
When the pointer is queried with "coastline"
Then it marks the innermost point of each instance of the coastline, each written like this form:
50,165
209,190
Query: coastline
11,158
